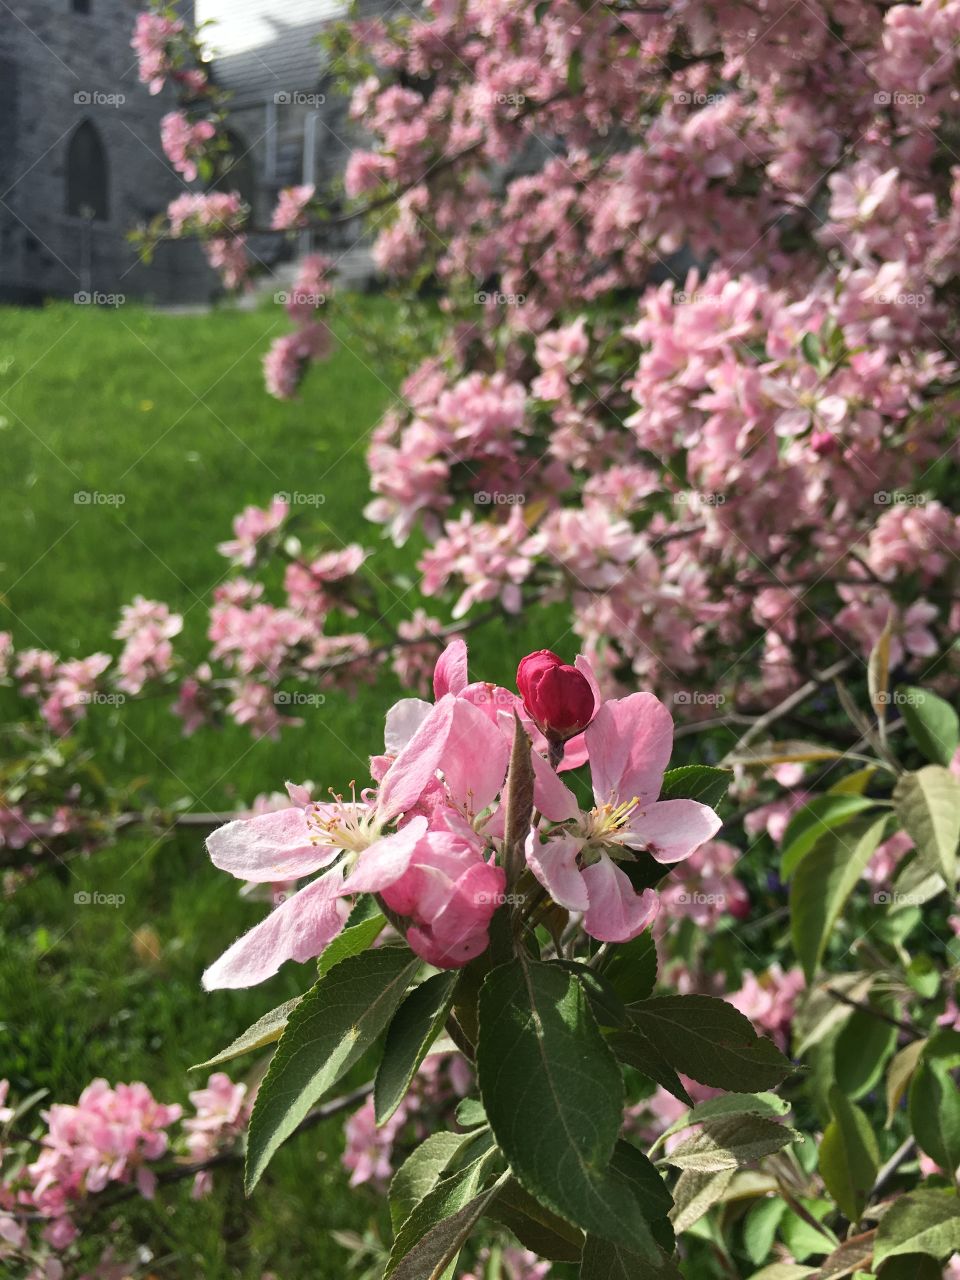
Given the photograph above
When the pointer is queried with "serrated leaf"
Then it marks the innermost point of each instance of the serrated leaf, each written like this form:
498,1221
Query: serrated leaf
420,1173
442,1202
632,968
707,1039
926,1221
730,1142
928,804
700,782
437,1249
817,818
695,1193
537,1229
636,1050
266,1030
849,1156
900,1074
932,724
414,1027
822,884
760,1104
553,1094
935,1100
605,1261
359,933
335,1022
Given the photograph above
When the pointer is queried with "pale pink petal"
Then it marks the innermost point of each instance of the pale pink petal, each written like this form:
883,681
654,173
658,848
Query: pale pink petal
385,860
416,765
554,863
629,742
617,912
450,673
298,929
552,797
403,720
585,669
272,846
474,760
672,829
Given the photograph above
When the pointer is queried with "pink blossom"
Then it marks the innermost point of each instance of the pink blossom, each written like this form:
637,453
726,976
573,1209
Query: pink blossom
250,527
151,39
290,212
184,141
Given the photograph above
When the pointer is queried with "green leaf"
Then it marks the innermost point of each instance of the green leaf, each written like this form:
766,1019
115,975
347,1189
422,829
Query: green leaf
760,1228
632,968
266,1030
849,1156
925,1221
605,1261
443,1201
935,1100
356,936
812,351
696,782
928,804
809,824
729,1104
605,1003
415,1026
706,1038
646,1182
900,1074
863,1048
822,884
575,71
335,1022
695,1194
470,1113
553,1094
878,671
932,723
923,976
438,1248
420,1173
784,1271
730,1142
911,1266
635,1050
537,1229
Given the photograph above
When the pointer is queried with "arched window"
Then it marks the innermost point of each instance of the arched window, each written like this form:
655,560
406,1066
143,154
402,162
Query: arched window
87,188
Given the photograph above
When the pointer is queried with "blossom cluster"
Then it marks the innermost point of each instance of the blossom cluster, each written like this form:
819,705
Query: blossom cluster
428,837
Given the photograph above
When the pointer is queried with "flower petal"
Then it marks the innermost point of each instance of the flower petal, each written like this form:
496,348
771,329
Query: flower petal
416,765
298,929
554,863
617,912
672,829
552,797
385,860
450,673
272,846
629,743
474,760
403,720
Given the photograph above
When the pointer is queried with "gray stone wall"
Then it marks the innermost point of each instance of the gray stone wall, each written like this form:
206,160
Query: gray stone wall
59,68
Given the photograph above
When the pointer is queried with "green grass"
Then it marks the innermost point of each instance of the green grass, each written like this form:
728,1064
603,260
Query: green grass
169,412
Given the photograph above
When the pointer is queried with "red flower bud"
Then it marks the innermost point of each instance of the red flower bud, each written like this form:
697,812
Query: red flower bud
558,697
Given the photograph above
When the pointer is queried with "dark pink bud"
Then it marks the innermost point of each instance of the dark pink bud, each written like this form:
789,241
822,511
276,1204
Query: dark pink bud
558,697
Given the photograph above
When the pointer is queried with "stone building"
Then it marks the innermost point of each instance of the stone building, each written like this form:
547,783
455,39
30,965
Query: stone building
80,156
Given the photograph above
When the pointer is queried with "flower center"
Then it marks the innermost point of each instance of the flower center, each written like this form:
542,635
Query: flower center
345,824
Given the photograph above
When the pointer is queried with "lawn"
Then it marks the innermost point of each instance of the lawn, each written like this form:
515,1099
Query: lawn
168,412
